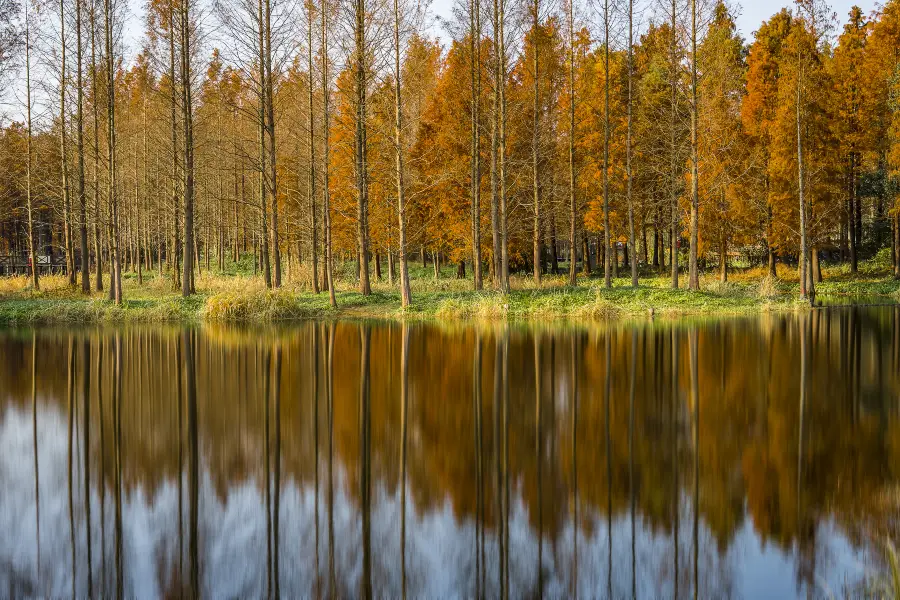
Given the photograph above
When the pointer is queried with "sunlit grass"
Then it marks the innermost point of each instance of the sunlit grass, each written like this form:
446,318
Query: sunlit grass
235,293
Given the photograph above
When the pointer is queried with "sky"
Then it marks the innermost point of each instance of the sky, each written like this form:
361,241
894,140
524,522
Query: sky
752,12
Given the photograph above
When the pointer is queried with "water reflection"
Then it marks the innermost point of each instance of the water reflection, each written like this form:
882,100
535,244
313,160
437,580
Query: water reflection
753,457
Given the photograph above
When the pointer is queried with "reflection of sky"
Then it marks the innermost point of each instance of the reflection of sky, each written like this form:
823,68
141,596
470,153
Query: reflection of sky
440,548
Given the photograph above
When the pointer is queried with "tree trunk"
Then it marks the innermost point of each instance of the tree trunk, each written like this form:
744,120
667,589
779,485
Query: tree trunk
475,57
897,246
554,250
656,243
723,260
116,279
311,184
64,167
851,219
392,269
362,183
673,160
801,174
573,211
405,293
816,265
79,141
628,149
585,255
326,157
98,247
501,83
187,120
607,272
535,137
176,202
496,254
263,173
693,269
32,242
270,139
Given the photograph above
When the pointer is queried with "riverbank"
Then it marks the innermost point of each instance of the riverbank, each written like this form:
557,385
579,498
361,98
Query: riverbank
243,298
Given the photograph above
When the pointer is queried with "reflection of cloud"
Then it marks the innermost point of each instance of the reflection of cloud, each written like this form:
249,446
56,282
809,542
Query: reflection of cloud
440,548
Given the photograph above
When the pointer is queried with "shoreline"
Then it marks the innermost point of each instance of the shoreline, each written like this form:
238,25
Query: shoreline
587,302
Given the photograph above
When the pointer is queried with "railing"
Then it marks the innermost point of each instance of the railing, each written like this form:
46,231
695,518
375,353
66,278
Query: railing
14,264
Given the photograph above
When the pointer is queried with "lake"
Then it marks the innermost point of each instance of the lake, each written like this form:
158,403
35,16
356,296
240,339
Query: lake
743,457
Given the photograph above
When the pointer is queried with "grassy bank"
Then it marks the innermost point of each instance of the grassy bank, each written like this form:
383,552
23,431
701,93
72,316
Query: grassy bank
236,296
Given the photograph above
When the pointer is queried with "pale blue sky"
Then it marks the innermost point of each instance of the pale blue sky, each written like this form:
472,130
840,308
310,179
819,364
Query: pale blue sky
752,12
755,12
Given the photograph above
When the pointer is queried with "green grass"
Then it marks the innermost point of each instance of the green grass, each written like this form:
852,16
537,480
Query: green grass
234,294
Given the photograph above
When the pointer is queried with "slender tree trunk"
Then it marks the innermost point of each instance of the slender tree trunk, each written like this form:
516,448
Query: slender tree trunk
816,266
607,272
656,246
628,148
475,56
79,140
270,139
801,175
187,119
98,247
535,139
673,173
63,147
851,227
773,272
116,279
326,155
32,241
573,208
362,176
897,246
723,260
263,186
405,294
500,9
176,202
496,253
312,155
693,269
554,255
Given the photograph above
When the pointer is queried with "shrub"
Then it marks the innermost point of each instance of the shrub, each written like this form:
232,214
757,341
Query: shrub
767,288
257,306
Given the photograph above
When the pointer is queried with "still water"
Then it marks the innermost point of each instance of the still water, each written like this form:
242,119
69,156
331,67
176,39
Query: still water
753,457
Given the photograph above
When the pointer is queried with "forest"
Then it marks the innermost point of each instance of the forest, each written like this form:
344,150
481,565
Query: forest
326,141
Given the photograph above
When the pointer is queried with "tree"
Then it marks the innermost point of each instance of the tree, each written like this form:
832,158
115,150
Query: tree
693,270
399,149
608,243
475,110
32,241
187,128
573,209
764,64
722,145
115,240
79,139
361,156
854,114
632,247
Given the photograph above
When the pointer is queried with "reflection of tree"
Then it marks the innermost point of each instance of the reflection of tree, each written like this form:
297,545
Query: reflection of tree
365,461
708,418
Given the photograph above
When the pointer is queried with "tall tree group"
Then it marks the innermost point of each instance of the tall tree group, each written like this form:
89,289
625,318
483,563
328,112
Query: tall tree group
303,136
